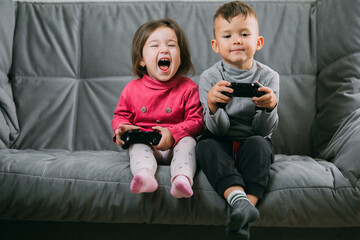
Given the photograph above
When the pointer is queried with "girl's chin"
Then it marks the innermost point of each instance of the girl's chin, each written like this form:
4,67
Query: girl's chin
164,77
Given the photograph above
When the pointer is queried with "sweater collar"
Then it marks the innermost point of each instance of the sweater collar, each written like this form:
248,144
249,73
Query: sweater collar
234,74
155,84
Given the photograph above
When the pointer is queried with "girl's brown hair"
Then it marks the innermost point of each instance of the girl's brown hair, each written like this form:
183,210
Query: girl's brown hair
143,33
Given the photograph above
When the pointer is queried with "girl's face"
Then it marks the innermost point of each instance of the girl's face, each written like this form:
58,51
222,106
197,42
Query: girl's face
161,54
237,40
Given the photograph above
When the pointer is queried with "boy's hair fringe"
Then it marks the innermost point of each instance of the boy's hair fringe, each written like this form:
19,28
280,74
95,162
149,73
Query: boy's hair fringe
233,9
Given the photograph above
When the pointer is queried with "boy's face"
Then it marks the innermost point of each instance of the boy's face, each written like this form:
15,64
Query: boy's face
237,41
161,54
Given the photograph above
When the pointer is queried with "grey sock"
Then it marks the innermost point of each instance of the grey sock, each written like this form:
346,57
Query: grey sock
242,234
242,213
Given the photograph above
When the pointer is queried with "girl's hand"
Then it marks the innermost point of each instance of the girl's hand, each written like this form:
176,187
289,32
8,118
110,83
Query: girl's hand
215,96
121,130
166,141
268,100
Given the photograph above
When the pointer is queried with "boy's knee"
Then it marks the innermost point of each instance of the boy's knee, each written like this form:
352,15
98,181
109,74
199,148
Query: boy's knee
256,140
259,143
205,144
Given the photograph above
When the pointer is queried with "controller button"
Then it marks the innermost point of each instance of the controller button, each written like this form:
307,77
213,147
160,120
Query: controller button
143,109
158,121
168,110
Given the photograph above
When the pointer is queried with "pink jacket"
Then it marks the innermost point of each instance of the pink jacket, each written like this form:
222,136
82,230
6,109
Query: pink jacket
173,104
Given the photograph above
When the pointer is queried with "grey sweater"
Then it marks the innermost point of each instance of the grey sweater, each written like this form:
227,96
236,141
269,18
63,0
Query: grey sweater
240,118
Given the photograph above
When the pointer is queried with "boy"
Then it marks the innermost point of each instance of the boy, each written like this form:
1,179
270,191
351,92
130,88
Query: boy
236,151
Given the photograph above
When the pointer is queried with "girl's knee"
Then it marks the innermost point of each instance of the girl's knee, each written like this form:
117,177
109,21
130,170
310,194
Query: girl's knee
188,141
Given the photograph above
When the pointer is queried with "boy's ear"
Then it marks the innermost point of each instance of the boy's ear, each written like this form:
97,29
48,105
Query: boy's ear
214,46
259,43
142,63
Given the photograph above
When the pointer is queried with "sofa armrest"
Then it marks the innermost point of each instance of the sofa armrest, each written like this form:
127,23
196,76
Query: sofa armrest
9,127
344,147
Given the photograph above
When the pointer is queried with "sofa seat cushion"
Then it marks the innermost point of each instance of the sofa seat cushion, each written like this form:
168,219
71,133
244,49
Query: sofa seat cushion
93,186
307,192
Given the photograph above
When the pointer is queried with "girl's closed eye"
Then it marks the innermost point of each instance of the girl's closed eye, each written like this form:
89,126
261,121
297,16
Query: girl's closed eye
172,44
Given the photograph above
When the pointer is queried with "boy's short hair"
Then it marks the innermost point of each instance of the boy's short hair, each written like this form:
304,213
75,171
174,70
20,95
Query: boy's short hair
232,9
142,34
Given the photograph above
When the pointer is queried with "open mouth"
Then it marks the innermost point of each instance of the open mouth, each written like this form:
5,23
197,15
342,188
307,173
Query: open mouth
164,64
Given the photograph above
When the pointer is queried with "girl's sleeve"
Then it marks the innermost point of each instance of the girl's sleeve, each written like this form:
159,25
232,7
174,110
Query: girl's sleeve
193,124
122,113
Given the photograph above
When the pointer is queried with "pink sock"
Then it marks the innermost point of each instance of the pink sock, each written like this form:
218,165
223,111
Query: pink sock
143,182
181,187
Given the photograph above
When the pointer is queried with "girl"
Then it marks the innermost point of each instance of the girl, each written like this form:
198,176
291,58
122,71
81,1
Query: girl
164,100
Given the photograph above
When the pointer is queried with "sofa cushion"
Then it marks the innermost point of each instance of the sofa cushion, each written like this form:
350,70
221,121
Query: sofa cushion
93,186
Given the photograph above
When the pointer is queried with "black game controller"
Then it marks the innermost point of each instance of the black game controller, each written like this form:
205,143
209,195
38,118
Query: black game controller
244,90
138,136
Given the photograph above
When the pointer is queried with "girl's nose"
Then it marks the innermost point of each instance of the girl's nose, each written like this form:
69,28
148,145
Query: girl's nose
164,49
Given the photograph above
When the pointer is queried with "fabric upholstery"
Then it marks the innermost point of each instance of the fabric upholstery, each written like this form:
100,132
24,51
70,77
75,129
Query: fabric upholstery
63,66
338,90
9,127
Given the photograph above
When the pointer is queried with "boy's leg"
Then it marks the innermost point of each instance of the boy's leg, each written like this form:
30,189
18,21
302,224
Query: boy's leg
214,158
183,167
255,156
143,166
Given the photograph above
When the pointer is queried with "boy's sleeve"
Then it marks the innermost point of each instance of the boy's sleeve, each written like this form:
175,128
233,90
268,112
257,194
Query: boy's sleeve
265,122
218,123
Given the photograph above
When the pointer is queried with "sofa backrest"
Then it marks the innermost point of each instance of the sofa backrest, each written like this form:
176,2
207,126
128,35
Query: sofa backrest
71,60
338,60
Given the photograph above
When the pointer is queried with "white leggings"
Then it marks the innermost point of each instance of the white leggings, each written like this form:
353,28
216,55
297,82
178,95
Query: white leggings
181,158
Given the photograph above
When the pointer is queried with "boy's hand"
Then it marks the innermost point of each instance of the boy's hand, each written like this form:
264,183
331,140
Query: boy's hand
121,130
166,141
215,96
268,100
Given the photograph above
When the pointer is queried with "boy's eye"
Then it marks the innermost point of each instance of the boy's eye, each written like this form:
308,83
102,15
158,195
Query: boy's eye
154,45
227,36
245,34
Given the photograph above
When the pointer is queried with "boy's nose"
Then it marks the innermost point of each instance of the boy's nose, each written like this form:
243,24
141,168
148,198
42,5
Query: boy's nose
237,40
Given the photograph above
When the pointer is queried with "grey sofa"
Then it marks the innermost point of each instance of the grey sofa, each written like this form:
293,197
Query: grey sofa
62,69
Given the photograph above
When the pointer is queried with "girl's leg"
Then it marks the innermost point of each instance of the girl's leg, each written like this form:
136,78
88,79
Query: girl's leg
183,167
143,167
